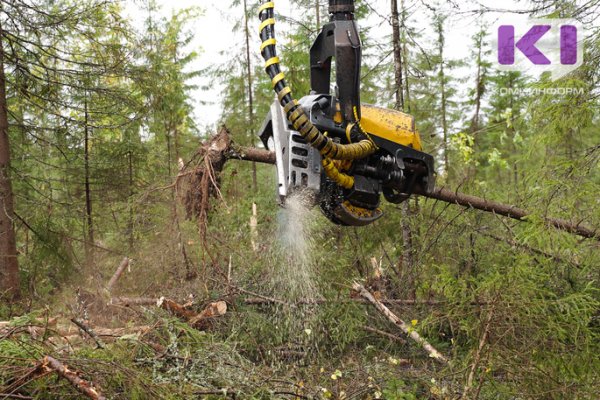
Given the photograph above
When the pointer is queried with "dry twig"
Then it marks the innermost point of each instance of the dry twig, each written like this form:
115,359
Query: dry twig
433,353
124,264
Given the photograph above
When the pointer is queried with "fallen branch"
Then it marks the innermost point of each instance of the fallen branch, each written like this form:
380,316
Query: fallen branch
40,329
42,322
530,249
124,264
134,301
15,396
69,339
84,327
256,301
445,195
384,334
234,394
477,357
120,332
260,297
50,364
67,331
433,353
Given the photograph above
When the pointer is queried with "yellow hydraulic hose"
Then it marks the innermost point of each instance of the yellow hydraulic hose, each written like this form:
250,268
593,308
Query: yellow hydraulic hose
328,149
333,172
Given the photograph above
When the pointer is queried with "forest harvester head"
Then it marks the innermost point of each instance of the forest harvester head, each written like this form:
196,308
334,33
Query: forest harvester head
347,153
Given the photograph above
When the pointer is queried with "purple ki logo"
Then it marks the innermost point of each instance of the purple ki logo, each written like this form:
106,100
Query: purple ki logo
554,45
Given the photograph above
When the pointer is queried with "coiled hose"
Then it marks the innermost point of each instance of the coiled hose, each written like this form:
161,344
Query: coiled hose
328,149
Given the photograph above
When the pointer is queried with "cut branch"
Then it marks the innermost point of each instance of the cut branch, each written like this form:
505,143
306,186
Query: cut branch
197,320
263,300
252,154
478,353
50,364
213,310
433,353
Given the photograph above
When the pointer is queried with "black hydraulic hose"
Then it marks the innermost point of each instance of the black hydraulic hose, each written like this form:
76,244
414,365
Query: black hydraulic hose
294,112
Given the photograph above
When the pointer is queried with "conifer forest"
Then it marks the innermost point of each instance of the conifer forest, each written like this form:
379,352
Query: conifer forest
300,199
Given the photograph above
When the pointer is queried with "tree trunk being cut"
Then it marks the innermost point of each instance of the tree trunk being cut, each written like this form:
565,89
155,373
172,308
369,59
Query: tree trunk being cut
448,196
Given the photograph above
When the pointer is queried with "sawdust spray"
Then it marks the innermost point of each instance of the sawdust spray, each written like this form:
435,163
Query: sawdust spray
297,247
294,276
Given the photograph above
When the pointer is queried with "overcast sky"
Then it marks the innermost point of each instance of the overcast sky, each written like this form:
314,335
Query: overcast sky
214,34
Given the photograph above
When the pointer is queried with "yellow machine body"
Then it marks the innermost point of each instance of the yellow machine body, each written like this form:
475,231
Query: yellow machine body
392,125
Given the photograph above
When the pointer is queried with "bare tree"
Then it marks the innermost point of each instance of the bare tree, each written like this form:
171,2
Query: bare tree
250,93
